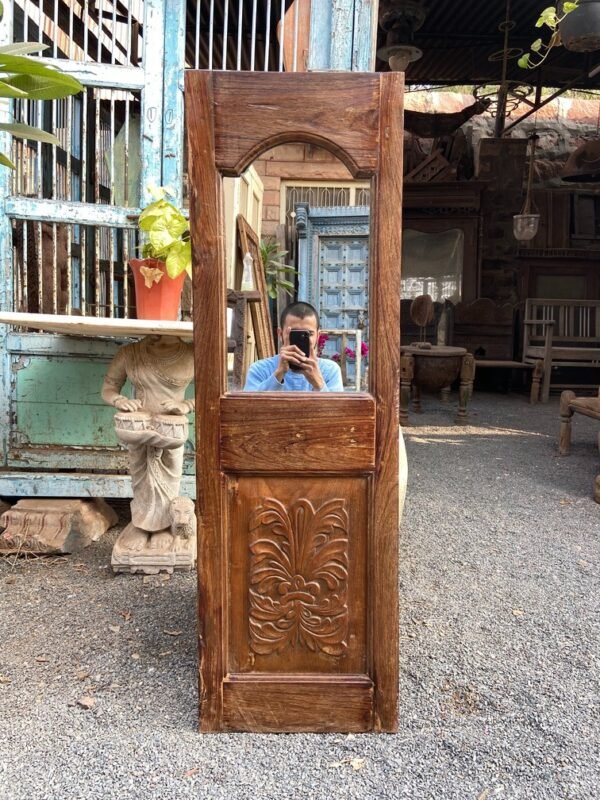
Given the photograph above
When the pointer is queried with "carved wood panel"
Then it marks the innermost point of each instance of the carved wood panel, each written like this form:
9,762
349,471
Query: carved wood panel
298,574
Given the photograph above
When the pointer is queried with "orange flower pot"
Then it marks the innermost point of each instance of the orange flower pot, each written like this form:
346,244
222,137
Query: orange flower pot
156,295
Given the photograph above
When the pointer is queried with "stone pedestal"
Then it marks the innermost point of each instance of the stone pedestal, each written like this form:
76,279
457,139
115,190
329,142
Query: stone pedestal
138,551
173,548
48,527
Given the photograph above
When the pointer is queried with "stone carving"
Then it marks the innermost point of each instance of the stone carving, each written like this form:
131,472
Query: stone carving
44,526
154,427
299,577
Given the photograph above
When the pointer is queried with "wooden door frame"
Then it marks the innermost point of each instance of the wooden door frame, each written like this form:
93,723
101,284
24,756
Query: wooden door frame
225,135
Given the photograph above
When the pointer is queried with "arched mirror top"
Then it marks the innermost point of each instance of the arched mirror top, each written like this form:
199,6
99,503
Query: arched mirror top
297,137
297,110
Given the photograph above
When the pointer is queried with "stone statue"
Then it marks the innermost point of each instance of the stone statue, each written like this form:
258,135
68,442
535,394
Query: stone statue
154,427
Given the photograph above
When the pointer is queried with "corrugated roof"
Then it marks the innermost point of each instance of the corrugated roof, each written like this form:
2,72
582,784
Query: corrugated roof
459,36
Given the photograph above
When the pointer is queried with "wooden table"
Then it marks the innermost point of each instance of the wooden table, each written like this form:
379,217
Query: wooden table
434,368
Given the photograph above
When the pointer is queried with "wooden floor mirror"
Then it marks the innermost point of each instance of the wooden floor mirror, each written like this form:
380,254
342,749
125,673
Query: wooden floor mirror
297,492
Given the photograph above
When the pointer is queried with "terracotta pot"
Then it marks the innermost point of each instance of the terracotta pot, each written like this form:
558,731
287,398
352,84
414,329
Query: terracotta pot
580,29
160,299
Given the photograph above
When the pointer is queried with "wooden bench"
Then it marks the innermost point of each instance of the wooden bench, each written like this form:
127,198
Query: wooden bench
488,331
565,333
569,405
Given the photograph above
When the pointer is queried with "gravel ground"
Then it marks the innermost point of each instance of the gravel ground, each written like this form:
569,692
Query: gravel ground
499,647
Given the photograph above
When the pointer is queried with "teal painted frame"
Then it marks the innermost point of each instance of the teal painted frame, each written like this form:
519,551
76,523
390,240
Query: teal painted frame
24,354
6,277
342,36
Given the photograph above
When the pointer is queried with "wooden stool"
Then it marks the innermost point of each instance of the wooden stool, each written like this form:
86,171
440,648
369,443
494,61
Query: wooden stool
589,407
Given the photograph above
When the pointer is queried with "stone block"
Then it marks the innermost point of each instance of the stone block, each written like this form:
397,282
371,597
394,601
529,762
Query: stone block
270,182
43,526
308,171
271,197
3,507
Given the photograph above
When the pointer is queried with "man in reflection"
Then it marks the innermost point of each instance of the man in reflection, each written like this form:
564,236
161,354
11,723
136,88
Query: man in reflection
292,370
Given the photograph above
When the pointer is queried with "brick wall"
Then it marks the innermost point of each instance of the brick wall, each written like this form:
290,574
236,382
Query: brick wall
293,162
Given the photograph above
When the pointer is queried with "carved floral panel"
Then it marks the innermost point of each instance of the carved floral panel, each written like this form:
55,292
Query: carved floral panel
299,577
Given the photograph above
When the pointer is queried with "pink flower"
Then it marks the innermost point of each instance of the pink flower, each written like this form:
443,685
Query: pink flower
323,339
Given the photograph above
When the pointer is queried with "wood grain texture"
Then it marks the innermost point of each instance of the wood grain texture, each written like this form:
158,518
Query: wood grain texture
208,255
384,368
337,111
304,434
248,242
238,303
254,450
96,326
270,705
309,531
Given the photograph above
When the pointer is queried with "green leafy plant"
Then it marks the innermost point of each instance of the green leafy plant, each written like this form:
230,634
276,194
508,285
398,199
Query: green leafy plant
551,18
167,232
275,269
24,78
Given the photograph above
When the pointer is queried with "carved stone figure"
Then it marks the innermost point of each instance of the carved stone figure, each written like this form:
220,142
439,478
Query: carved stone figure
154,426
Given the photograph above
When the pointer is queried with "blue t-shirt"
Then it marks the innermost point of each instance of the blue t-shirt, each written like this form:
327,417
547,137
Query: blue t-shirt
261,377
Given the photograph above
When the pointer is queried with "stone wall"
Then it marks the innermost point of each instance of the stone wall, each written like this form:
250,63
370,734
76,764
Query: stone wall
293,162
562,126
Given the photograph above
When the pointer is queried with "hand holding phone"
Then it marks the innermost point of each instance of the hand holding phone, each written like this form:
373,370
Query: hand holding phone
301,339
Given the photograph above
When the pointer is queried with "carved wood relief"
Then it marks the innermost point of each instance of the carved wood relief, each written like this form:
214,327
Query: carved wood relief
299,577
298,561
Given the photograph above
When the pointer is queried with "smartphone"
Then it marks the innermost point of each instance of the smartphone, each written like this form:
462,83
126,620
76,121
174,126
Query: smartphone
301,339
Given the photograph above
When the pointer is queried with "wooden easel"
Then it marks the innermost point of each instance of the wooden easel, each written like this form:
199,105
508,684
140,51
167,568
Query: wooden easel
239,341
248,305
248,242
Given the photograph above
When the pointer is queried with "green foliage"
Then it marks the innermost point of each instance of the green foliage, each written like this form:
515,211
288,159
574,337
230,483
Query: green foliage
24,78
168,234
549,18
276,271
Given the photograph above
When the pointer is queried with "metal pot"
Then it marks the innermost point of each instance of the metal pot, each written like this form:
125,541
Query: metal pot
580,29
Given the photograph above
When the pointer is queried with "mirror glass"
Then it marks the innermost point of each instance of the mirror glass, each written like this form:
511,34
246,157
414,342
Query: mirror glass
297,229
432,263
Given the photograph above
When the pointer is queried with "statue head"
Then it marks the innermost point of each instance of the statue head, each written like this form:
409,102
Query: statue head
183,518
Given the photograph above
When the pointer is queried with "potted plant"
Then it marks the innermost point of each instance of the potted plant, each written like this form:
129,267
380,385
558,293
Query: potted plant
574,24
580,26
166,258
275,269
24,78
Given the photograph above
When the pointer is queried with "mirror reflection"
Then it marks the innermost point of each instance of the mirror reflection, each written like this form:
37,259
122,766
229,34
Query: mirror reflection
297,252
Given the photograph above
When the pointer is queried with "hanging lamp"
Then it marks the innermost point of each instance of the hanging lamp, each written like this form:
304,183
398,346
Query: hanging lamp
526,224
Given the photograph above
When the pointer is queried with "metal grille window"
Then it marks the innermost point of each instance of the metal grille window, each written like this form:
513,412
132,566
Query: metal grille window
71,269
319,195
324,195
66,267
98,160
103,31
269,35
